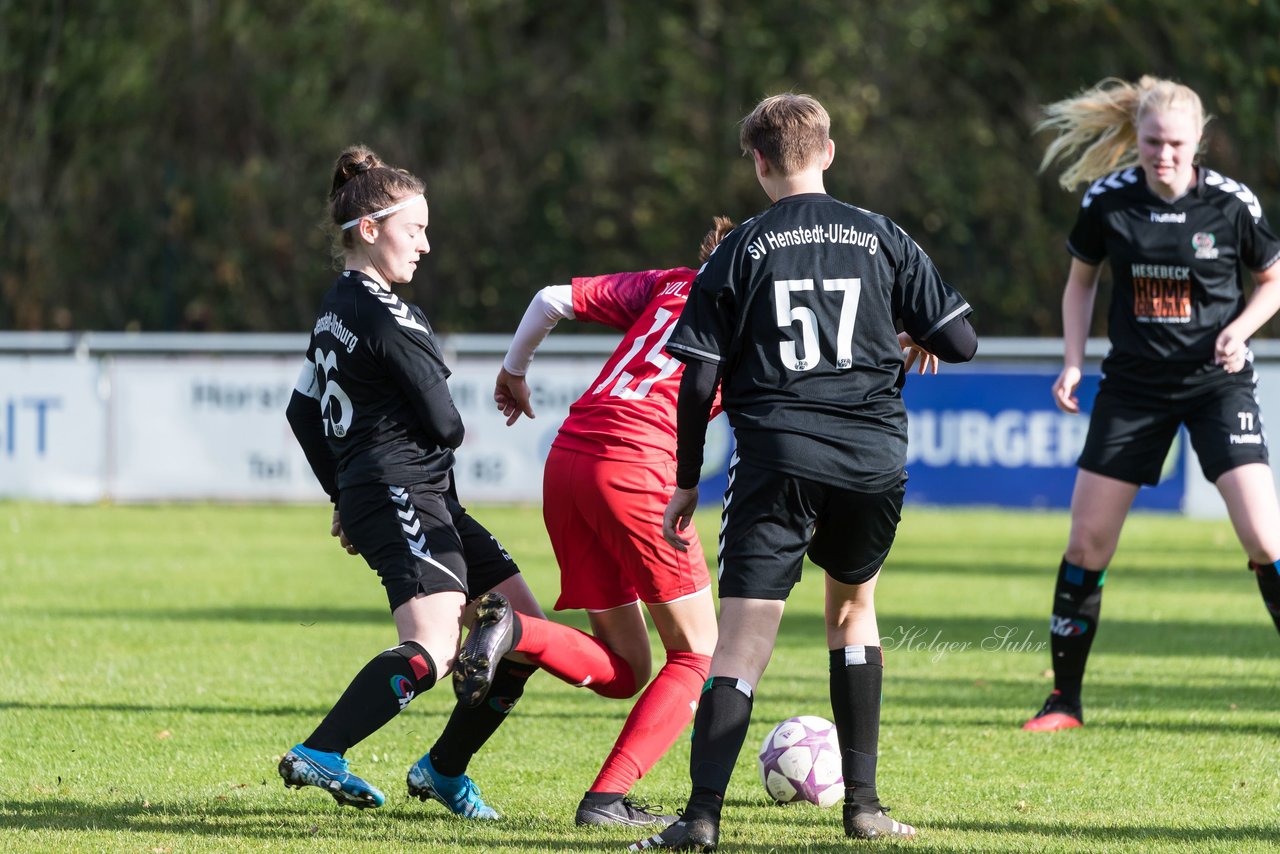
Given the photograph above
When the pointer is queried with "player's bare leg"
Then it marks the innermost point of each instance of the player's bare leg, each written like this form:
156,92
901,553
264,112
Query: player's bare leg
625,632
851,613
1099,505
688,624
433,622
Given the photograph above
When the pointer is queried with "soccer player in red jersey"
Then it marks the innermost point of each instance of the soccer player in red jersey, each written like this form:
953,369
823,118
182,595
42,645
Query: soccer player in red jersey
605,487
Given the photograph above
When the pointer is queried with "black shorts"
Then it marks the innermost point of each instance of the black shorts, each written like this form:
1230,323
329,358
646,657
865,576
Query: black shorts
1130,432
771,520
421,540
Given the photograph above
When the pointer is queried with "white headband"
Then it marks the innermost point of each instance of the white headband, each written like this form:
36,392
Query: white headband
384,212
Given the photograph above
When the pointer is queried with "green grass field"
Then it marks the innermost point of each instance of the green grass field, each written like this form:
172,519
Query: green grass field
157,660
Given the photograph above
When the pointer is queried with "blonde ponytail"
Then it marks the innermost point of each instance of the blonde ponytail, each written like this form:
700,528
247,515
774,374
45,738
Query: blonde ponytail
1097,130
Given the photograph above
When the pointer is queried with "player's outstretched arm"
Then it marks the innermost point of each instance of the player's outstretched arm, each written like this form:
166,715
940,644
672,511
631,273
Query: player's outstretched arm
547,308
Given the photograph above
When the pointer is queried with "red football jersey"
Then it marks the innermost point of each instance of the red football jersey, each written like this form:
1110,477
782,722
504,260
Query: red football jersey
629,410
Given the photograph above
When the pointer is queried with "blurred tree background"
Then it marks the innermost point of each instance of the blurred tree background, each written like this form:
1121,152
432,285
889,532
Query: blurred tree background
164,163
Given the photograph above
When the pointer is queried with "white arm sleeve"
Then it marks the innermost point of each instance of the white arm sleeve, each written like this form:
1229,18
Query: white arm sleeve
548,307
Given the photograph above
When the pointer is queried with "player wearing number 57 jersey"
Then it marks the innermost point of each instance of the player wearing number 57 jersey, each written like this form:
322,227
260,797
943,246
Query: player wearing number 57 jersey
605,486
798,308
797,313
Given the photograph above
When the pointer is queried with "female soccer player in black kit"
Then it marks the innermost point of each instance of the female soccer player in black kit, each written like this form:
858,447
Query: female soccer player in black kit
374,416
1176,234
797,310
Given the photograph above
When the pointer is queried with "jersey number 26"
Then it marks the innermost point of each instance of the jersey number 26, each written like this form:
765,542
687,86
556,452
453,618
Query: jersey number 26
335,405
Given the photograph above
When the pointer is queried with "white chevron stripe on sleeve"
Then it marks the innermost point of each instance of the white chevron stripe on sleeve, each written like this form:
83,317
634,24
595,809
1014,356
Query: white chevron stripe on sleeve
1114,181
1095,189
1235,188
399,309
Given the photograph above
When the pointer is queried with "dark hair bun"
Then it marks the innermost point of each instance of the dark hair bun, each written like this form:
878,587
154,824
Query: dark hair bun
356,160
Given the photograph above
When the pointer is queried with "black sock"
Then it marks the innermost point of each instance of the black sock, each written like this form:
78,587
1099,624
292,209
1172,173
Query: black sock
469,728
375,696
719,728
1077,604
857,673
1269,586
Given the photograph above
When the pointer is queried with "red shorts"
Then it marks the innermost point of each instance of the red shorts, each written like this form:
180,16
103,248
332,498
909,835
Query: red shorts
605,521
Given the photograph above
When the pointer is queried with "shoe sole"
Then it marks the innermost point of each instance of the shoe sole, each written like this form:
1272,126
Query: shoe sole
1052,723
345,799
474,665
647,845
424,794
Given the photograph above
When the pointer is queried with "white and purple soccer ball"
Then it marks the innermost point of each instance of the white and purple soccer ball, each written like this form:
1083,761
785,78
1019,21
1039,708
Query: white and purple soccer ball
800,761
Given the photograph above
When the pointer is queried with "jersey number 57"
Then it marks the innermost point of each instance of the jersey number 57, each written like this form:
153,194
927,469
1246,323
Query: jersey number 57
787,315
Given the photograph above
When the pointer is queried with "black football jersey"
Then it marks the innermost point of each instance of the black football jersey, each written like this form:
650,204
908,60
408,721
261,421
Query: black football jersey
374,360
799,306
1175,267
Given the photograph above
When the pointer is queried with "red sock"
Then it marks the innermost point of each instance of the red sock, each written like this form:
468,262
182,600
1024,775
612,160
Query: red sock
575,657
660,715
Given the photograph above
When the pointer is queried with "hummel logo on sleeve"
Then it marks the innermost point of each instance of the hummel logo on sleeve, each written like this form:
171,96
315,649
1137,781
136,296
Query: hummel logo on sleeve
399,310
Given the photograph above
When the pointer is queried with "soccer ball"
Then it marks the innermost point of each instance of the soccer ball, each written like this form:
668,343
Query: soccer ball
800,761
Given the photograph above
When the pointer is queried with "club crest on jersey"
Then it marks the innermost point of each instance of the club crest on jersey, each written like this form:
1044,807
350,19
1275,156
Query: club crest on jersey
1205,245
